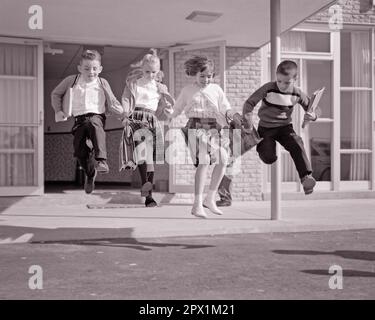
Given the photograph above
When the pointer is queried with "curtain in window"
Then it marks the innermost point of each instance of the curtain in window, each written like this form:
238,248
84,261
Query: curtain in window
18,115
361,105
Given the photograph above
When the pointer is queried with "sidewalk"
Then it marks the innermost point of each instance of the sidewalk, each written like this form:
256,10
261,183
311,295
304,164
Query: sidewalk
108,214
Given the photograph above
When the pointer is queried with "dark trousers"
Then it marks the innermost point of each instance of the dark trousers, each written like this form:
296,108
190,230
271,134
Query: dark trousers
293,143
224,190
89,126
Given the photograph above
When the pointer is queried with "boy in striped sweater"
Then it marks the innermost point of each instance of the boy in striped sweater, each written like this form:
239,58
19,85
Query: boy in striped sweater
278,100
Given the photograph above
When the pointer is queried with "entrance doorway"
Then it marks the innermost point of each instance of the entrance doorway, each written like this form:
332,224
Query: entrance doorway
60,165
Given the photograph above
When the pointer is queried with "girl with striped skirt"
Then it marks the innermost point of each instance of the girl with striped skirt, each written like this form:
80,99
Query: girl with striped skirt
142,99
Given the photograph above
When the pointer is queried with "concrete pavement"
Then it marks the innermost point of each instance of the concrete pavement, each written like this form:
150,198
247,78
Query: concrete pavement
73,215
224,267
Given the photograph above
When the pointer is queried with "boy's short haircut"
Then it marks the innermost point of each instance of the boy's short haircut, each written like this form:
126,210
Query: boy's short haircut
198,64
287,67
91,55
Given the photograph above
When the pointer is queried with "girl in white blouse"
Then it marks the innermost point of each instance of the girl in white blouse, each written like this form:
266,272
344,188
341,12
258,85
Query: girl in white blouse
142,97
206,106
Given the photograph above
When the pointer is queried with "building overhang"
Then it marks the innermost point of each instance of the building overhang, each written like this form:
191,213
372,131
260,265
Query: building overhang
150,23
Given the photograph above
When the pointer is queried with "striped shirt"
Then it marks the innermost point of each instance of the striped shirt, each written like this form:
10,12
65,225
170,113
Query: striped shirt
277,106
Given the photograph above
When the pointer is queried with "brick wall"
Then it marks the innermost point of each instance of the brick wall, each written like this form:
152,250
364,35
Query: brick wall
243,76
350,13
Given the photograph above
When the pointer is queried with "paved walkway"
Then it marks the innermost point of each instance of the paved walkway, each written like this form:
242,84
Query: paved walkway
75,215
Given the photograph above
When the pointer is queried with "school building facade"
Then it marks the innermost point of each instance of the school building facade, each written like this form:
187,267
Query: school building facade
331,41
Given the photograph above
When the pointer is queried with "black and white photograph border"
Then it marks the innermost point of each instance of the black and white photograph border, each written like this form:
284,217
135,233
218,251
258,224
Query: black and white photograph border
195,153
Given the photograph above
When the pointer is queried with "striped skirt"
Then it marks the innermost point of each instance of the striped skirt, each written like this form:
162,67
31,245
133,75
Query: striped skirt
143,118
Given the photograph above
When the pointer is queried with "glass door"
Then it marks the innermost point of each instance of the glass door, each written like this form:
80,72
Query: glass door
21,117
356,110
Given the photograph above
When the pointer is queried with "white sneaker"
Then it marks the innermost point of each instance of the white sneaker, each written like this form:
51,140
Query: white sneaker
199,212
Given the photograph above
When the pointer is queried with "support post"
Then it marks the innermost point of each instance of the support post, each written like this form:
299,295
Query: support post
275,60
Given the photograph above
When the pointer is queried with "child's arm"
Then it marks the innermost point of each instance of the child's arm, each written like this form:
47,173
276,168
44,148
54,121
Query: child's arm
179,106
125,101
304,101
226,109
58,93
253,100
166,101
113,104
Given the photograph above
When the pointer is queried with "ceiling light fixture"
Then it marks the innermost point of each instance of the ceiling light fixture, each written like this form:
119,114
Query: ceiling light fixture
203,16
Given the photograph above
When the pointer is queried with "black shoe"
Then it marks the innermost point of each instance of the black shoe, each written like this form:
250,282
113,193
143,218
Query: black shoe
90,183
308,183
150,202
146,188
223,203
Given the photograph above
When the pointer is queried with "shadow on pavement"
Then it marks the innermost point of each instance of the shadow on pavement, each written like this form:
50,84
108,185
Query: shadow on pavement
346,254
109,237
125,243
345,273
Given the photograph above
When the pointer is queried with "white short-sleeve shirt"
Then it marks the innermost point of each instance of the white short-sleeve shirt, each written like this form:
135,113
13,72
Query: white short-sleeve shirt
147,94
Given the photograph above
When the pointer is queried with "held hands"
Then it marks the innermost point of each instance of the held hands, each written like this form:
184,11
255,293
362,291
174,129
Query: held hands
237,120
125,121
168,110
248,120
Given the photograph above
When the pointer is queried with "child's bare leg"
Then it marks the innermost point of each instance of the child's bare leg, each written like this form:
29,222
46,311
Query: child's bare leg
200,181
217,176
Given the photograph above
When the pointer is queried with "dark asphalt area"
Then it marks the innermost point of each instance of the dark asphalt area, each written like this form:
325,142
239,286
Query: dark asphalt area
246,266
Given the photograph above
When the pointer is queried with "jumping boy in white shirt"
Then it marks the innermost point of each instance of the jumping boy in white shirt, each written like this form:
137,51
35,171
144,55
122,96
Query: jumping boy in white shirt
91,99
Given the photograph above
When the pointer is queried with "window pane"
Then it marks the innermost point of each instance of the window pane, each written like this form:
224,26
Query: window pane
319,74
355,167
355,120
355,59
17,60
320,150
18,156
305,41
18,101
